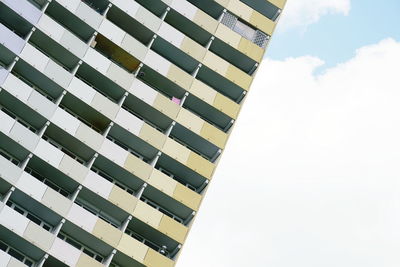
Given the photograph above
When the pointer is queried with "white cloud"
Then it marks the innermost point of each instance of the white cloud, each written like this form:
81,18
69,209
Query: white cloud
301,13
310,177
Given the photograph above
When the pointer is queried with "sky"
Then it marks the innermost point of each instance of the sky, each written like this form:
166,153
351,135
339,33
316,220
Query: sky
310,176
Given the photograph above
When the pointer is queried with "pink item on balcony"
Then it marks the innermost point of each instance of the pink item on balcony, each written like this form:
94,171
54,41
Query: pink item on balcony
176,100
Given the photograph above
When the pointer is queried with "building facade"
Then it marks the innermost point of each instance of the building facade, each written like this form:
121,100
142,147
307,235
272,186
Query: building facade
113,116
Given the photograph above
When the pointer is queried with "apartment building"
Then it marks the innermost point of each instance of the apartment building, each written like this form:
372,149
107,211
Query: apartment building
113,116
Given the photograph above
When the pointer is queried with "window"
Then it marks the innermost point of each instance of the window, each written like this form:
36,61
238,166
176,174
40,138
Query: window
81,247
16,254
46,181
97,212
9,157
160,249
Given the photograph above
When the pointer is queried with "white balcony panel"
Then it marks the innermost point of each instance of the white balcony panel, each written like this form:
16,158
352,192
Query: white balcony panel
6,123
113,152
71,5
24,136
17,88
31,186
129,121
49,153
143,92
58,74
157,62
112,32
120,76
4,258
128,6
105,106
73,168
134,47
65,121
50,27
185,8
15,263
82,217
9,171
25,9
171,34
98,184
89,136
13,220
34,57
148,19
39,236
73,44
10,40
64,252
88,15
3,75
41,104
81,90
56,202
97,60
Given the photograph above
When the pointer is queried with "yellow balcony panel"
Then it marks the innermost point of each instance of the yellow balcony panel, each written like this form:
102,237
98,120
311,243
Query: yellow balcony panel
239,77
162,182
137,167
263,23
190,121
203,91
122,199
176,151
166,106
228,36
187,196
226,105
251,50
278,3
240,9
216,63
205,21
85,261
173,229
107,233
147,214
155,259
200,165
132,248
178,76
193,49
152,136
223,3
214,135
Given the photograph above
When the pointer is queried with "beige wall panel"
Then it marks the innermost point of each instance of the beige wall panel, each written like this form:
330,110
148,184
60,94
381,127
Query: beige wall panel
72,168
223,3
38,236
203,91
200,165
166,106
89,137
205,21
240,9
85,261
215,63
155,259
105,106
152,136
226,105
137,166
176,150
123,199
187,196
133,248
162,182
147,214
107,233
214,135
263,23
178,76
173,229
251,50
56,202
239,77
193,49
228,36
190,121
278,3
